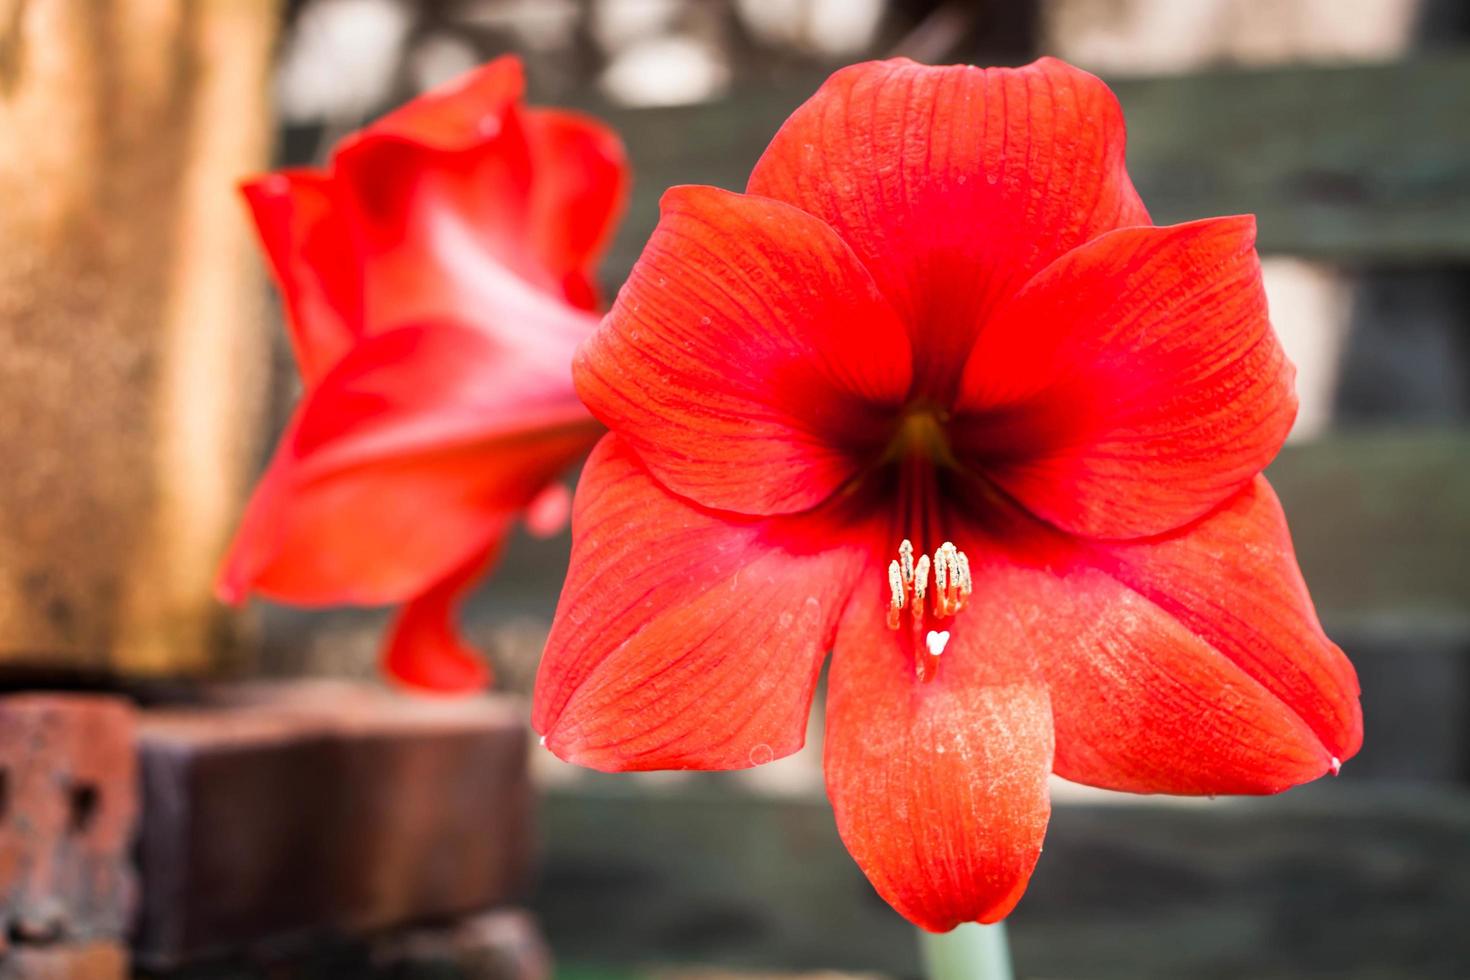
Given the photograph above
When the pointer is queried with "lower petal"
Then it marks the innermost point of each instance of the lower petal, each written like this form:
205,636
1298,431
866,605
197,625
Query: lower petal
1194,663
938,786
403,463
685,638
1190,663
370,535
424,650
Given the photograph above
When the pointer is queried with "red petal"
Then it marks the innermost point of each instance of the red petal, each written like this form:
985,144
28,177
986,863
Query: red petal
1194,663
424,650
460,114
455,249
314,258
428,214
549,512
580,189
746,334
939,786
406,460
955,185
685,638
1134,384
441,192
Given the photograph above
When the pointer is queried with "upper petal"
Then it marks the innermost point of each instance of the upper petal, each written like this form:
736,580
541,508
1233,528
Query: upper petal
460,114
315,260
580,189
685,638
403,462
441,194
1133,384
458,205
938,786
748,357
955,185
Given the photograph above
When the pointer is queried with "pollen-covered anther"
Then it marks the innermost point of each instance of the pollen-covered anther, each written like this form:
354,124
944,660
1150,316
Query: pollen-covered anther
908,583
952,584
897,594
901,584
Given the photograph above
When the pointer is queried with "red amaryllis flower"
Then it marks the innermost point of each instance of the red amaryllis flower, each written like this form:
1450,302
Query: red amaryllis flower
935,395
437,278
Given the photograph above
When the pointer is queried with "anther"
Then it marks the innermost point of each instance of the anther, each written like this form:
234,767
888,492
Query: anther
908,583
952,584
896,594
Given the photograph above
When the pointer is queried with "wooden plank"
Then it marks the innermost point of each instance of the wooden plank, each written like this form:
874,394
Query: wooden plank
1330,883
1366,164
502,944
98,960
130,317
1381,525
280,816
1415,677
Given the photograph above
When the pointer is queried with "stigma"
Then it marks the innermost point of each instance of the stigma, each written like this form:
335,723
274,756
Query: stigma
908,584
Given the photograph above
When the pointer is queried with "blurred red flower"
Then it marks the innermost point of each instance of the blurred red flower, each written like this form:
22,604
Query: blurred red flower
437,279
940,321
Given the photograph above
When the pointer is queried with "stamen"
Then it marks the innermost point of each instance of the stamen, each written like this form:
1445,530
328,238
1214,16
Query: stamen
952,584
908,583
896,594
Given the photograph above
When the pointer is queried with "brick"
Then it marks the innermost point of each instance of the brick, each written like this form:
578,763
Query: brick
504,944
278,815
99,960
68,793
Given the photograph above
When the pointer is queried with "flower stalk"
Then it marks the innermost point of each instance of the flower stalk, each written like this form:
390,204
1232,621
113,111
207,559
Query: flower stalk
968,952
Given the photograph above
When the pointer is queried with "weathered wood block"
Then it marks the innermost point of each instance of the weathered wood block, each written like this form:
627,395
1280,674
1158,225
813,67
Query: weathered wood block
100,960
284,814
68,808
500,945
131,320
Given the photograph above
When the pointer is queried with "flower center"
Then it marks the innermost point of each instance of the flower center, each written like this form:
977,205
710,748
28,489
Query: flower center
920,435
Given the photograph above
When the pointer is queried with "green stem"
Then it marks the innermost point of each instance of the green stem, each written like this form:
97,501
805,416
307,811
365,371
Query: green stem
970,952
